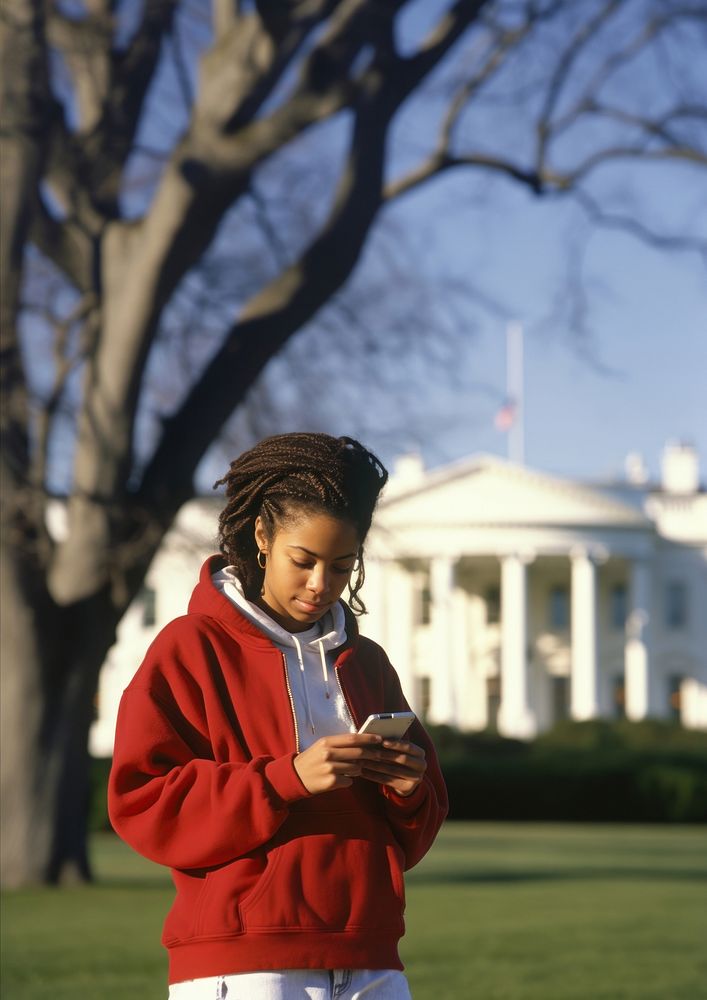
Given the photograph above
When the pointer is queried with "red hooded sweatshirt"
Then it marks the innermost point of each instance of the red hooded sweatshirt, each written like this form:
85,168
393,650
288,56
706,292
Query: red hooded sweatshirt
267,875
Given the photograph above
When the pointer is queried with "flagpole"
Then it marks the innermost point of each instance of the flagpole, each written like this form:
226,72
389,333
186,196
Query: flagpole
514,388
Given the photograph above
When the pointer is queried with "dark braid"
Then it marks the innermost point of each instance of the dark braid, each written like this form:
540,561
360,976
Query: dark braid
290,474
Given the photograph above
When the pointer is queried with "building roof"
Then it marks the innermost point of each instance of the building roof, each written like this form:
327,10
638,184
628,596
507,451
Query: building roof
486,490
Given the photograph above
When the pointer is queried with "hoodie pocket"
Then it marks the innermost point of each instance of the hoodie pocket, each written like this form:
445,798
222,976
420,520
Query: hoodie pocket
206,905
225,889
325,882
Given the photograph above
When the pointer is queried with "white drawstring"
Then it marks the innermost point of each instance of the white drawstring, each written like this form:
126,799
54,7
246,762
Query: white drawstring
325,669
303,675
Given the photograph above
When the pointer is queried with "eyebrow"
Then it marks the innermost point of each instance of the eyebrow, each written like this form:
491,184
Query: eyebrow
315,555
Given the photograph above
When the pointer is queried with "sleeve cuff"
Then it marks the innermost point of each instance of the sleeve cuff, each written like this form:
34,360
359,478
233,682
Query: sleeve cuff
406,803
284,779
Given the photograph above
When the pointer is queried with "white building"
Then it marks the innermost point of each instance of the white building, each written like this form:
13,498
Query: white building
505,597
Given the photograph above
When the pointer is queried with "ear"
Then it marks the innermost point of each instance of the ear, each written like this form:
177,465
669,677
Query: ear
260,537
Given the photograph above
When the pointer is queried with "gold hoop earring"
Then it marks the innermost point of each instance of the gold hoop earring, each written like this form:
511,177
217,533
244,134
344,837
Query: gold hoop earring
261,554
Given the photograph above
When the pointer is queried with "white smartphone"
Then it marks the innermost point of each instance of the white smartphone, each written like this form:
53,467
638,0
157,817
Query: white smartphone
391,724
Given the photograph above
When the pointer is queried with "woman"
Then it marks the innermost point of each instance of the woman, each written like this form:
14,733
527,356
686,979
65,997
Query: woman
237,758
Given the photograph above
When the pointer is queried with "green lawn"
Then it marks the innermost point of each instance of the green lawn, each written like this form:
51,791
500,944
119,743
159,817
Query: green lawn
527,911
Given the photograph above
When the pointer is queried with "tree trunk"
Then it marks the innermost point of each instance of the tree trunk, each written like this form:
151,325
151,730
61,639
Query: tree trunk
91,627
50,664
26,824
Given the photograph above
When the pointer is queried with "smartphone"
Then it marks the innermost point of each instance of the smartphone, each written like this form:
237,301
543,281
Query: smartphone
391,724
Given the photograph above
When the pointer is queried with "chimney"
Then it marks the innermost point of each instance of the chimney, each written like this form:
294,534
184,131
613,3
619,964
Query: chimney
408,471
635,469
680,468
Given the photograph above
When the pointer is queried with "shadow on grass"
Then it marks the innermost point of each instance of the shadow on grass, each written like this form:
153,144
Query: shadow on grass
491,877
566,875
132,882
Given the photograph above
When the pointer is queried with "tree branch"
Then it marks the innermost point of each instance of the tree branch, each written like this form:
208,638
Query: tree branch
272,316
440,162
653,127
85,315
443,37
568,58
85,46
110,87
24,96
442,158
241,71
569,179
134,69
66,243
632,226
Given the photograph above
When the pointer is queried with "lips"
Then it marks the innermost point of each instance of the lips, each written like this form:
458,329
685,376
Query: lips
309,606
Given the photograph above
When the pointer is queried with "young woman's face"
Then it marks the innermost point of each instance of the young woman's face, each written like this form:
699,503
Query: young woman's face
308,564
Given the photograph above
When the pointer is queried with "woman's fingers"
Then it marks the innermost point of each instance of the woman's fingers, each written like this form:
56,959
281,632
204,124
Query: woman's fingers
333,761
400,765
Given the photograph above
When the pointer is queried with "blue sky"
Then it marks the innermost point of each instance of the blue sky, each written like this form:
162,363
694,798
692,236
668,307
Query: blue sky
631,379
636,376
636,380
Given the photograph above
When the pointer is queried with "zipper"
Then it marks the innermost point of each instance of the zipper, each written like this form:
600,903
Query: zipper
357,725
292,701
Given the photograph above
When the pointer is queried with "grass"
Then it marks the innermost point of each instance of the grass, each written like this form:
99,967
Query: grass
495,912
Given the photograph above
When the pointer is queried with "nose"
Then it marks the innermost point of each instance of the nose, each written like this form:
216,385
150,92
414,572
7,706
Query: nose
318,582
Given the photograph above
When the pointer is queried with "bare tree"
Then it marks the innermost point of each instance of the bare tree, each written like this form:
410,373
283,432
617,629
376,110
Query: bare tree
116,187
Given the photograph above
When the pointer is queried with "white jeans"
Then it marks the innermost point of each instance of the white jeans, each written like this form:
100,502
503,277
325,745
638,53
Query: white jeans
297,984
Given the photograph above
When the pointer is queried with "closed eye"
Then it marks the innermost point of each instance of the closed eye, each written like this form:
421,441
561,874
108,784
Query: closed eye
343,570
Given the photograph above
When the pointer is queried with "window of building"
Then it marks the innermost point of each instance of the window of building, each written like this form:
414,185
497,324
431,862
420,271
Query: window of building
618,692
675,604
559,608
424,696
618,606
424,600
493,702
675,697
148,599
493,605
560,698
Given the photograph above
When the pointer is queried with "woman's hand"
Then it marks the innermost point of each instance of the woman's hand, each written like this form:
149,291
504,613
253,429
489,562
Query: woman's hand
399,765
334,761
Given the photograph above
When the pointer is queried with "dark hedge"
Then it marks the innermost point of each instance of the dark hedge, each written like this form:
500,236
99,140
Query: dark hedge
593,771
642,772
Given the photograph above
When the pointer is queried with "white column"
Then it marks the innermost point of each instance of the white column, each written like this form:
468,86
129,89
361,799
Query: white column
585,673
442,700
515,718
399,623
693,702
464,693
373,595
477,657
640,698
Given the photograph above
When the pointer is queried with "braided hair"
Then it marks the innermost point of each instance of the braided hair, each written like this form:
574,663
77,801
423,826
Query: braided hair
287,475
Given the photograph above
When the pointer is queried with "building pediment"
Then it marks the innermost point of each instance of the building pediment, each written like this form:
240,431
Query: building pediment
488,491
